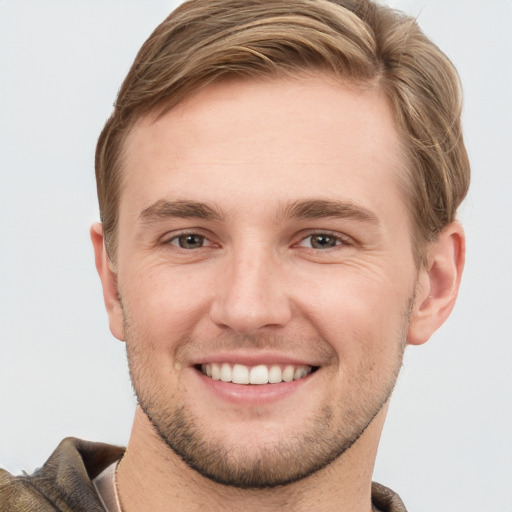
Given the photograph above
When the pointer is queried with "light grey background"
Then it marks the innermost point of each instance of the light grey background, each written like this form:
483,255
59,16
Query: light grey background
447,443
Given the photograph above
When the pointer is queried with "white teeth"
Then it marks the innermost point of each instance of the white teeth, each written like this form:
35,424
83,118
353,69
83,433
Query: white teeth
215,372
240,374
226,374
275,375
260,374
288,373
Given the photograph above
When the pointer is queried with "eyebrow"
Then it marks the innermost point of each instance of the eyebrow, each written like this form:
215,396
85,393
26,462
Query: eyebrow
163,209
320,208
305,209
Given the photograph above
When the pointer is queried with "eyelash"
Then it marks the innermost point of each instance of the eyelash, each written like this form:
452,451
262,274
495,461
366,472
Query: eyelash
186,234
330,237
337,239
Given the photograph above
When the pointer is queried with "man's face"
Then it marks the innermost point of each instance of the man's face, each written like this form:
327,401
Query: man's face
263,236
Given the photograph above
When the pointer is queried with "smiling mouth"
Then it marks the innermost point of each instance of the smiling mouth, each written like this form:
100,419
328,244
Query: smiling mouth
260,374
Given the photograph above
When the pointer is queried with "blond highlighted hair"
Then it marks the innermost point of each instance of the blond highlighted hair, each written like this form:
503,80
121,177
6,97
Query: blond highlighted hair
358,41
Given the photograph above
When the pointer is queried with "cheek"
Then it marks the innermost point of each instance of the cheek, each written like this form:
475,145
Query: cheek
164,302
361,313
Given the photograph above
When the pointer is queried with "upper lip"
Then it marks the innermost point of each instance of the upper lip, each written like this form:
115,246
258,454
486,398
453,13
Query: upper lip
255,358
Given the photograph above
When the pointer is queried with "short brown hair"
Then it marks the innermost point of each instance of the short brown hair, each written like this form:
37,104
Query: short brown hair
357,40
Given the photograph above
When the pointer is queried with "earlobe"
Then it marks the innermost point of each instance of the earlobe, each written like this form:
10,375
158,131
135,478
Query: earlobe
108,277
438,284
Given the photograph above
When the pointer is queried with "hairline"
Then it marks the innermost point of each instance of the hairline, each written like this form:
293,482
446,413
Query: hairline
404,172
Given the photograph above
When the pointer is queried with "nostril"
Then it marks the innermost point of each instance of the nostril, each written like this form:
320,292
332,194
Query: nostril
247,320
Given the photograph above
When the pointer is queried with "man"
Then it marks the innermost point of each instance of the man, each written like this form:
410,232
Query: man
278,187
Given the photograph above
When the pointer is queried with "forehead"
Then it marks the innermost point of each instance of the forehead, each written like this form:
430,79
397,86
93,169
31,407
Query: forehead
265,138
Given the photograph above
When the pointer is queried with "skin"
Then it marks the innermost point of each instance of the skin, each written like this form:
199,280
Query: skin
301,253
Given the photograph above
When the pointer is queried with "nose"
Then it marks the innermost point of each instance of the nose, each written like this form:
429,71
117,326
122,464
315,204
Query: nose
251,294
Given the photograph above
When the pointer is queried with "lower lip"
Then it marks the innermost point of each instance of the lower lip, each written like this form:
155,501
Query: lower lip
252,394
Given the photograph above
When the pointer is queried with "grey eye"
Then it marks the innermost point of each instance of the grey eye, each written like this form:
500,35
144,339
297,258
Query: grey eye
190,241
323,241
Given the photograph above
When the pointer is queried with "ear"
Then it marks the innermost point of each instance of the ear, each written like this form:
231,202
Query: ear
108,278
438,284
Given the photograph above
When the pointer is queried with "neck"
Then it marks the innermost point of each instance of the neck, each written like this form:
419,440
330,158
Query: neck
152,477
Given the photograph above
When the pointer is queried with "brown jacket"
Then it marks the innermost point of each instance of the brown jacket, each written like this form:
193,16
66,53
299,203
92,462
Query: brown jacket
64,483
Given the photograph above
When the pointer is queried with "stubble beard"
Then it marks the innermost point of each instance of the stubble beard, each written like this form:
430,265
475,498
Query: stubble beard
318,443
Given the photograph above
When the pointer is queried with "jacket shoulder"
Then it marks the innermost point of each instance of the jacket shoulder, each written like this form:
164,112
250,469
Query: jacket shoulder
18,495
63,483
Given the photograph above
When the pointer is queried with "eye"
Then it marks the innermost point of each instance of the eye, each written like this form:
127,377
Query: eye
321,241
189,241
